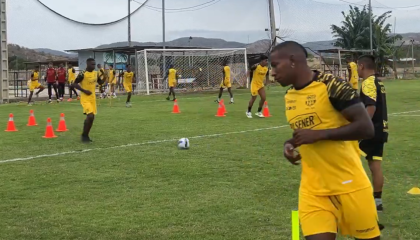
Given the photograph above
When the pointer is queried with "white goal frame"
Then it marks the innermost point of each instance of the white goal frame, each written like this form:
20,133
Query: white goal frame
206,52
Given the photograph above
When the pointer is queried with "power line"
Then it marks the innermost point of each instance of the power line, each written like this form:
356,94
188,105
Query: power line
94,24
385,6
185,9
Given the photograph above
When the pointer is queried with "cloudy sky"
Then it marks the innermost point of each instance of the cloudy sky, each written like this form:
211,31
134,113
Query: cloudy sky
32,25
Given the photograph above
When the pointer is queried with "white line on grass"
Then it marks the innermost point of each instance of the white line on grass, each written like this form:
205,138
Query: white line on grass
156,142
407,115
136,144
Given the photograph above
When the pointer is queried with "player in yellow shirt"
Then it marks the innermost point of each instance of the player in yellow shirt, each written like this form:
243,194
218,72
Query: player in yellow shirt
112,80
259,74
353,74
34,84
103,77
128,77
172,77
327,119
226,82
71,76
86,83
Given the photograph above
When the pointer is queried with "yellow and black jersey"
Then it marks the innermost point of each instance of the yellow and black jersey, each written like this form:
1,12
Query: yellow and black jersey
258,74
373,93
328,167
35,76
87,80
226,73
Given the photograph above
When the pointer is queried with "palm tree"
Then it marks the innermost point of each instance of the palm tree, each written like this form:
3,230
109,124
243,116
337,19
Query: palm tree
354,34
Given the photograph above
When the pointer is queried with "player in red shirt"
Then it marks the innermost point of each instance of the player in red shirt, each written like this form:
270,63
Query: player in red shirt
50,78
61,77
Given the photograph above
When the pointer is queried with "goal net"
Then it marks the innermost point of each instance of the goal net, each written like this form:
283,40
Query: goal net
197,69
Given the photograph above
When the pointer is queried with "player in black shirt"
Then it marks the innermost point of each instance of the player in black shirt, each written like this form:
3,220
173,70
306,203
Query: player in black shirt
373,95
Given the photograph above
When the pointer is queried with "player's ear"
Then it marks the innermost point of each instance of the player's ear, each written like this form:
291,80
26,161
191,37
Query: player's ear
292,61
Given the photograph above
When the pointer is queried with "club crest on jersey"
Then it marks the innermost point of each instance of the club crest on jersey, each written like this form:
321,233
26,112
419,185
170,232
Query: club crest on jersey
310,100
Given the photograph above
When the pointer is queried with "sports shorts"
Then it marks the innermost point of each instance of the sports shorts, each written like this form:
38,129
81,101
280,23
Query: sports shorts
255,88
372,149
226,84
353,214
89,106
34,85
128,87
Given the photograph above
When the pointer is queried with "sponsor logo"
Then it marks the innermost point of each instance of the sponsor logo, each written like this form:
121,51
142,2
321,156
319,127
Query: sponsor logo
310,100
305,121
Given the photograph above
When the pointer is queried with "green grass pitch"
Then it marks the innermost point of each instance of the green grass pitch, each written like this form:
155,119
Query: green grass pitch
133,182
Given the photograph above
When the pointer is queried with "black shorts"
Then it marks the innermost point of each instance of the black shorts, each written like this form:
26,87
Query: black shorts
372,150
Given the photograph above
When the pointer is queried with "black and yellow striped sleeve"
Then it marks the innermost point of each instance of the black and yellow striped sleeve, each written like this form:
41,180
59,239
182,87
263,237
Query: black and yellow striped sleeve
341,93
369,91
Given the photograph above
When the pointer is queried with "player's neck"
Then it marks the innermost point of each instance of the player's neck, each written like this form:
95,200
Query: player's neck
370,73
304,79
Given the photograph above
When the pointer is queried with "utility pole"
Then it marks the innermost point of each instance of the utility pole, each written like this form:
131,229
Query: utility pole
4,67
163,37
272,22
129,23
412,54
370,26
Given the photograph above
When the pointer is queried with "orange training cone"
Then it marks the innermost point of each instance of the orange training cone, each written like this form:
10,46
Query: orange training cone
220,111
223,106
176,107
31,120
266,112
11,125
49,131
62,124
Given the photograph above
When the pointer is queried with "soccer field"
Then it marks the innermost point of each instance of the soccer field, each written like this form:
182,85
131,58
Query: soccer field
133,182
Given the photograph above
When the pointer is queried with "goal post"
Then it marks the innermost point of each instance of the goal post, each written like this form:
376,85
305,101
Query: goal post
197,69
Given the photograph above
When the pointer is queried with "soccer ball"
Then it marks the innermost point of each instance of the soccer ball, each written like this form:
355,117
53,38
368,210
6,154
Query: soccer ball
183,143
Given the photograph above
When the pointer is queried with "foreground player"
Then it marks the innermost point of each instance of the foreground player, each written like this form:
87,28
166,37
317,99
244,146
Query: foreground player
172,81
128,84
34,85
61,78
353,75
112,80
327,118
51,78
71,76
259,75
373,95
225,82
86,84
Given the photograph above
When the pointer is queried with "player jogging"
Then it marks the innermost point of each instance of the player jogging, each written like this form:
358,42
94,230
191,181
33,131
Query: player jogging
51,77
225,82
328,119
259,73
373,95
71,76
112,80
101,73
61,78
353,75
172,81
86,83
128,77
34,85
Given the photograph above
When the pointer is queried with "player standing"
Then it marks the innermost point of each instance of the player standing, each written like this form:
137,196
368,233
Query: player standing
34,85
172,81
61,78
51,77
71,76
86,83
128,77
112,76
353,75
373,95
327,118
259,73
101,73
225,82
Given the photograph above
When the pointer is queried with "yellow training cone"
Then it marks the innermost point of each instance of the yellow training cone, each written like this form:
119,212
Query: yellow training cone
414,191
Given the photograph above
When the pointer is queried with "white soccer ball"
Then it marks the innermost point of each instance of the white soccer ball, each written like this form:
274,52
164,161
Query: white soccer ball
183,143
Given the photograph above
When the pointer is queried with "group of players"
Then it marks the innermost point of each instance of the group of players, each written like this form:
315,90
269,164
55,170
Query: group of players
56,80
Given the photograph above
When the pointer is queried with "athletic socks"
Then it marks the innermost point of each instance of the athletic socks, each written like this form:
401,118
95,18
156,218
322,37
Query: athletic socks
259,109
